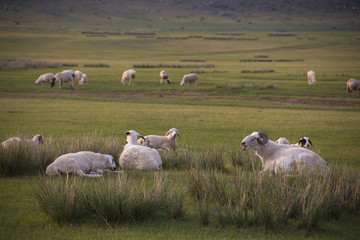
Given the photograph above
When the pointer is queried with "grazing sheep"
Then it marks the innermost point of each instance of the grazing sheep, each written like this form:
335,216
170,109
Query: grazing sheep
128,77
45,78
189,78
80,77
35,141
353,85
166,142
139,157
65,76
283,157
303,142
83,163
164,78
311,78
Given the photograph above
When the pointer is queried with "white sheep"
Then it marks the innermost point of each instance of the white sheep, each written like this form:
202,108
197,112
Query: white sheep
283,157
139,157
303,142
353,85
311,78
164,78
83,163
35,141
45,78
189,78
80,77
65,76
128,77
166,142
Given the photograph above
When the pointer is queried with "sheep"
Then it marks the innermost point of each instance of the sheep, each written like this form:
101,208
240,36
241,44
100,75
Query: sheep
303,142
164,78
83,163
166,142
311,77
283,157
80,77
128,77
45,78
353,85
35,141
139,157
189,78
65,76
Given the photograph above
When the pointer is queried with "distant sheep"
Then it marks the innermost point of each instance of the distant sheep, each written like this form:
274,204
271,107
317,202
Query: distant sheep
128,77
164,78
65,76
189,78
45,78
80,77
167,142
303,142
83,163
35,141
311,78
353,85
139,157
275,157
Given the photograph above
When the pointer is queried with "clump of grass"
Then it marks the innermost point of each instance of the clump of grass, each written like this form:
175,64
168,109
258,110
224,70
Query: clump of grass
172,65
140,33
111,200
193,60
281,34
258,71
96,65
229,38
22,63
173,37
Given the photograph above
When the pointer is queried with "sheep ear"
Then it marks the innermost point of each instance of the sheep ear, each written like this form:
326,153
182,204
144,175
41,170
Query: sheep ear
127,133
310,141
263,138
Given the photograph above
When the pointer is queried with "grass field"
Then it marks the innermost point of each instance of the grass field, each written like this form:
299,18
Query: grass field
227,105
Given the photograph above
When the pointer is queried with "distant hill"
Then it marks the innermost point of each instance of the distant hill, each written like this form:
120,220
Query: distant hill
186,15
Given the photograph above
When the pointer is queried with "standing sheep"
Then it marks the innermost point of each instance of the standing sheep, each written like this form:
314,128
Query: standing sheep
139,157
80,77
128,77
353,85
65,76
45,78
189,78
311,78
164,78
35,141
83,163
166,142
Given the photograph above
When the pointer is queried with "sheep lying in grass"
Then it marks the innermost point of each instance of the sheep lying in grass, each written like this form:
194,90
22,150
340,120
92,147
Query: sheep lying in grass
303,142
128,77
80,77
283,157
139,157
45,78
65,76
35,141
166,142
164,78
311,78
189,78
353,85
83,163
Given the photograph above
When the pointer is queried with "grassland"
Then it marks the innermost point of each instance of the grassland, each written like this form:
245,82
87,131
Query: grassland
226,105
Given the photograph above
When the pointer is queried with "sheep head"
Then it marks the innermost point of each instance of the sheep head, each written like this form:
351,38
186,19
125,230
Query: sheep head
305,142
253,140
132,137
37,139
173,132
110,162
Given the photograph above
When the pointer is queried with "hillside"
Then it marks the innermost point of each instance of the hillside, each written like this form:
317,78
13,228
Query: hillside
185,15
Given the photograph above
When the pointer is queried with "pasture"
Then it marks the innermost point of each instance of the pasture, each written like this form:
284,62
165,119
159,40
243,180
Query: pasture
233,98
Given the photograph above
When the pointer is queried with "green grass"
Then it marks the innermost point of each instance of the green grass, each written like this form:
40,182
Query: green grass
224,108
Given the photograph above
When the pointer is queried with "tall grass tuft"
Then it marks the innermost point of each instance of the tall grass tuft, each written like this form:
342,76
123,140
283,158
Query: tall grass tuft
111,200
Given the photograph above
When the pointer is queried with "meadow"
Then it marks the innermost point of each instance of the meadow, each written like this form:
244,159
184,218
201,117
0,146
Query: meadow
233,98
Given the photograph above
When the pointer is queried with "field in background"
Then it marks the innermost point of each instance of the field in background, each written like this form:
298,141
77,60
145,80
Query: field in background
240,94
